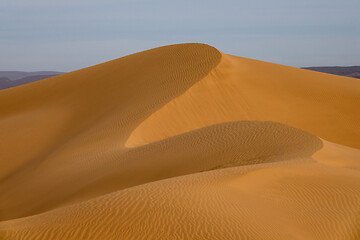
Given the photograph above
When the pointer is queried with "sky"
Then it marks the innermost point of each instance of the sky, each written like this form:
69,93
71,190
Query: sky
65,35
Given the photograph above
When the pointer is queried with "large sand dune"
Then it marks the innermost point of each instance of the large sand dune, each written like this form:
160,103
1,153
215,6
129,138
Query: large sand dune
181,142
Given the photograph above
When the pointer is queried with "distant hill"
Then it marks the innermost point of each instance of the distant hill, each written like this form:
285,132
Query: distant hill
10,79
5,83
16,75
353,71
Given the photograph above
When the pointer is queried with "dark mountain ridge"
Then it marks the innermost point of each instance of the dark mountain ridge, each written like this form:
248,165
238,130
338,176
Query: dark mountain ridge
10,79
353,71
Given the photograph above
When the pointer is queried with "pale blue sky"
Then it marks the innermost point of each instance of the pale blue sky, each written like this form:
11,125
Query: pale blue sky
66,35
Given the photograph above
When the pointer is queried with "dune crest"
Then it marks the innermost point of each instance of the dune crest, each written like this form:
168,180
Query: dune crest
181,142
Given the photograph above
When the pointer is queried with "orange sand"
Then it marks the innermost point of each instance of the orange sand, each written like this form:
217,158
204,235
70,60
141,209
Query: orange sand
181,142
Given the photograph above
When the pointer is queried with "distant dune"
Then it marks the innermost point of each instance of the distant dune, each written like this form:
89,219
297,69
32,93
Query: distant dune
181,142
10,79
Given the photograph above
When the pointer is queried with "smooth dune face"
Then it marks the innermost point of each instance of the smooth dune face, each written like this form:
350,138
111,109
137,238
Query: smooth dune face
181,142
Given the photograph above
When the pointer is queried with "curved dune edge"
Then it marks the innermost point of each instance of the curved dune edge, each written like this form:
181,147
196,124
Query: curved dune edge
76,124
218,146
245,89
116,95
181,142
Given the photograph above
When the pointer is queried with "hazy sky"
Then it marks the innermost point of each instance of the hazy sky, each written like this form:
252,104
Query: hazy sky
66,35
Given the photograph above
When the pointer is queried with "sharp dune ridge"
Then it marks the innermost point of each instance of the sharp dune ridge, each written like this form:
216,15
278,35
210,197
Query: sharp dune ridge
181,142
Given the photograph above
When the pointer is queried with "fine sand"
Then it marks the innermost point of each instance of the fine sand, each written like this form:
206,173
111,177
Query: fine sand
181,142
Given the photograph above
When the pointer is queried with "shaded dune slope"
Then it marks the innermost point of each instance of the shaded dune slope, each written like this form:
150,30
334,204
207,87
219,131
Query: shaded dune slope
150,145
77,122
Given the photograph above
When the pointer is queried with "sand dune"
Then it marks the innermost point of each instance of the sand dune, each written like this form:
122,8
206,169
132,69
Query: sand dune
181,142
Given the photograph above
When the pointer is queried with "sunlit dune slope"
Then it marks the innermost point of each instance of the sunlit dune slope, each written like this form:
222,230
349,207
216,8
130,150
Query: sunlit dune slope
181,142
244,89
